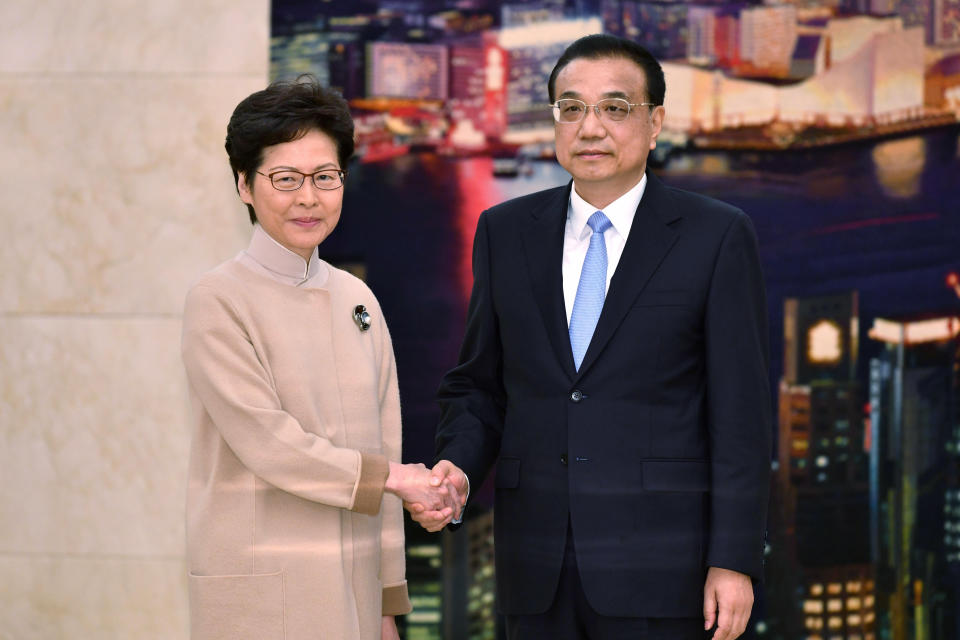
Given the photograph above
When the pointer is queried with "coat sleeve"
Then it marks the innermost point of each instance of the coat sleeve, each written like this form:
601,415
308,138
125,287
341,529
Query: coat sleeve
396,600
471,396
227,376
739,412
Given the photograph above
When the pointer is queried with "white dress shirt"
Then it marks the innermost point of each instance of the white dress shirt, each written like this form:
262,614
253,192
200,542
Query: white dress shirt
576,236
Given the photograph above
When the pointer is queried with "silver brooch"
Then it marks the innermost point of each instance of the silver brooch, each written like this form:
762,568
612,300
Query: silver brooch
361,317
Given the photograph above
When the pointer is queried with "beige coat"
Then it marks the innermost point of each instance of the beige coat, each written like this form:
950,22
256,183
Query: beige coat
296,413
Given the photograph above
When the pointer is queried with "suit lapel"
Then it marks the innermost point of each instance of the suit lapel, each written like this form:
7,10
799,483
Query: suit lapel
543,246
649,242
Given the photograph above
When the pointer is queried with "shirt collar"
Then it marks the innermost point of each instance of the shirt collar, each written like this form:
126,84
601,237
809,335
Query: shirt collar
620,212
282,263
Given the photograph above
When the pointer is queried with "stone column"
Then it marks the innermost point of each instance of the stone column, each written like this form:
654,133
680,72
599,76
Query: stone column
115,193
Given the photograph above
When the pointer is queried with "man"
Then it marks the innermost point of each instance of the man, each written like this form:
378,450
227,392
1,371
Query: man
614,366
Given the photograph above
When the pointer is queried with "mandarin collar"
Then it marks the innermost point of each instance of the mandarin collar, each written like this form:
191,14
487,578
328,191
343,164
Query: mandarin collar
285,265
620,212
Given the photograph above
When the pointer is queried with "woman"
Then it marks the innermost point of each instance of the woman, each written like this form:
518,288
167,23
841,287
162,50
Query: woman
294,517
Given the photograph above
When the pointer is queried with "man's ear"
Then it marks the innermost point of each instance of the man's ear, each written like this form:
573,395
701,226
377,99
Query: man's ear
656,121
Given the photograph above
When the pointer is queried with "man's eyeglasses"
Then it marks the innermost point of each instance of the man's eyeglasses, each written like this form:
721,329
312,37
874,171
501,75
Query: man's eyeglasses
290,180
572,111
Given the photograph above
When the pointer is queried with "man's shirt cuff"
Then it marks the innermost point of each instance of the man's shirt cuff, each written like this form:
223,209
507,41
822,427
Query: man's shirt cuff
460,519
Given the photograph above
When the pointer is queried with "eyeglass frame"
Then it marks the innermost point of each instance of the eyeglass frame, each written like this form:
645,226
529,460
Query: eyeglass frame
555,107
303,179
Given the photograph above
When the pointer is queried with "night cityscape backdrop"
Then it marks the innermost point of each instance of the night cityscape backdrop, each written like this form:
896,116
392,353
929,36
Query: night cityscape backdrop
834,124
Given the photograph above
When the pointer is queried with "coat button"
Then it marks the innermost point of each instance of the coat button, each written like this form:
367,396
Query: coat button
563,459
576,396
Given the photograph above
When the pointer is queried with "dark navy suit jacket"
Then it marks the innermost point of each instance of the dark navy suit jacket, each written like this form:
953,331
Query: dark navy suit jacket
657,451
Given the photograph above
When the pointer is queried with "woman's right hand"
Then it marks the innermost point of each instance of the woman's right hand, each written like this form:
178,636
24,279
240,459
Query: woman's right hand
412,483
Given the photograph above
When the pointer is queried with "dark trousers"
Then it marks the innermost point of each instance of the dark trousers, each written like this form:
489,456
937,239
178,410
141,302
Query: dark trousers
570,616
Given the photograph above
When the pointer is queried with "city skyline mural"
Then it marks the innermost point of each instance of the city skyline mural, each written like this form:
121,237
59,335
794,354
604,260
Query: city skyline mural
835,125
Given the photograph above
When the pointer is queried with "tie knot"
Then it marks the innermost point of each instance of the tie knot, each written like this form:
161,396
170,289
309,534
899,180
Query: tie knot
599,223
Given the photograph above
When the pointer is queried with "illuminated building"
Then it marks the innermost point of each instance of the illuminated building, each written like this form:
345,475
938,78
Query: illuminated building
347,57
527,73
914,13
466,69
754,40
942,84
495,64
850,34
481,608
469,582
915,469
453,23
330,47
767,38
702,100
295,54
424,584
821,338
945,22
346,60
404,70
611,13
660,27
880,7
838,603
882,82
415,11
809,56
727,38
821,578
518,61
940,19
467,81
701,35
516,15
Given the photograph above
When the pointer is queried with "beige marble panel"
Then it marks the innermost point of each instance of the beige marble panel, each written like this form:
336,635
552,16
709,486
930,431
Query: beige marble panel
116,190
117,35
95,437
92,597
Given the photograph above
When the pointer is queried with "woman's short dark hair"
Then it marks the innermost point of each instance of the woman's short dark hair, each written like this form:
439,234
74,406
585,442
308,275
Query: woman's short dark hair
602,45
283,112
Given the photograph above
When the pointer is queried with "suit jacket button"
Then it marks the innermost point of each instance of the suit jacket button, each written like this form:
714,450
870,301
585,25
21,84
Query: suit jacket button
563,459
576,396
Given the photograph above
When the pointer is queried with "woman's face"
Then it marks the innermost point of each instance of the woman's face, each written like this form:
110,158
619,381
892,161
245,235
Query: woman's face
301,219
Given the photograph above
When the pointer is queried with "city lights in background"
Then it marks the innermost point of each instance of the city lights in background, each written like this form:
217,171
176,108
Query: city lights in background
824,343
865,521
953,281
855,475
740,76
914,332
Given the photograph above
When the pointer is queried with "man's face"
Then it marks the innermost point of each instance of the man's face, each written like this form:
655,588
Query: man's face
605,158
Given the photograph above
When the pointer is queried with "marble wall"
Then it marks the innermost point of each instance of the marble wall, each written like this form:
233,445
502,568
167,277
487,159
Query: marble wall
114,194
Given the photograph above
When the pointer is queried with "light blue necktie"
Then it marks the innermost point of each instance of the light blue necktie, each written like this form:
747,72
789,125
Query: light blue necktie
591,289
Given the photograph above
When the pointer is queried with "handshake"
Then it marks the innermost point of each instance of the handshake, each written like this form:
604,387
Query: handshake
433,497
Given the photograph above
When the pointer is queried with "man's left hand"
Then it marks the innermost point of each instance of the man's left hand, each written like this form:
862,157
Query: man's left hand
732,593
